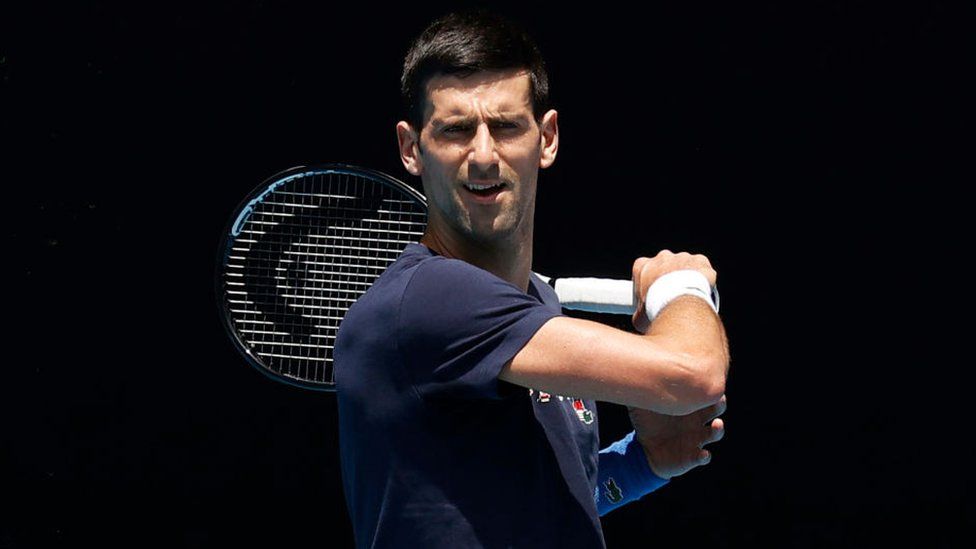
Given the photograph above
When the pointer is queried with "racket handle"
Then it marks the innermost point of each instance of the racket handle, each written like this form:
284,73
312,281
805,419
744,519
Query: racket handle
597,295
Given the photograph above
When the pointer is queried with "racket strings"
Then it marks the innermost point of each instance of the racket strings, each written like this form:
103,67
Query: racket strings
307,252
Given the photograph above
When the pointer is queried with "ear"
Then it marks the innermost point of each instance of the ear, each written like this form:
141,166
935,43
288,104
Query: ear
549,138
409,144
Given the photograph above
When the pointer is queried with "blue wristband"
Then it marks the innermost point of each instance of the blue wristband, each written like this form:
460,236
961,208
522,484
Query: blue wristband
624,475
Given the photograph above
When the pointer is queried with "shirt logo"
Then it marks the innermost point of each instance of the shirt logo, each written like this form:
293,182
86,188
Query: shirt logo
613,492
584,414
543,396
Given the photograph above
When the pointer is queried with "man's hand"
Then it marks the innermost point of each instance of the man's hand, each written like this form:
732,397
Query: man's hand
648,269
674,444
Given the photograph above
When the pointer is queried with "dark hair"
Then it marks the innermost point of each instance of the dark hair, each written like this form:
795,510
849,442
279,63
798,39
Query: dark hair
465,42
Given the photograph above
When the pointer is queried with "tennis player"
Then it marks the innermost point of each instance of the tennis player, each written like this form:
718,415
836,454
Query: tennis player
467,401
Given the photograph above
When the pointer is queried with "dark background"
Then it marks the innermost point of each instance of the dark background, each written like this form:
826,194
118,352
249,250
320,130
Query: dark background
807,149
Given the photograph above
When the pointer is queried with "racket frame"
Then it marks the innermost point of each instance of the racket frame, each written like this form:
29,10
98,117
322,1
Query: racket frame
233,227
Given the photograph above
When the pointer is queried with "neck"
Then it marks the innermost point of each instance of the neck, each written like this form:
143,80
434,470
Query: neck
509,259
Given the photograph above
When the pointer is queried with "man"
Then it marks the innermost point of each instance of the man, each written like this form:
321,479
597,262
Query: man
466,400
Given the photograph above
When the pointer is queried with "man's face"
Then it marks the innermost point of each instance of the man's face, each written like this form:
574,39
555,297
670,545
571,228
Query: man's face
480,131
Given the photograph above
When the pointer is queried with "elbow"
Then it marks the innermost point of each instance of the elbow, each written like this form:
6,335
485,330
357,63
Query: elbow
710,371
706,382
714,373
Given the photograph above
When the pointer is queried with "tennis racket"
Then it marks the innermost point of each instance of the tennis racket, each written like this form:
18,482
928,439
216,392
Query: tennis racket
304,245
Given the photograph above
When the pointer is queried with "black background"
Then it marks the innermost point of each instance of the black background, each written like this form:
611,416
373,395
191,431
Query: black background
807,149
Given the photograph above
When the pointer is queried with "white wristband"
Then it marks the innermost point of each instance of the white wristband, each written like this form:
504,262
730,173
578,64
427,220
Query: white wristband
671,285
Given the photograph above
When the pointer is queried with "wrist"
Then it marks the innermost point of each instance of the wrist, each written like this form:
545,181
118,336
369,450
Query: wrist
650,473
639,460
624,474
677,283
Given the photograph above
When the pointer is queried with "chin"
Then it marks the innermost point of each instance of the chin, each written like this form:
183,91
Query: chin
495,234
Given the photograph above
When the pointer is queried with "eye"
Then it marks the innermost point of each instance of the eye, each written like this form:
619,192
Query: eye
505,126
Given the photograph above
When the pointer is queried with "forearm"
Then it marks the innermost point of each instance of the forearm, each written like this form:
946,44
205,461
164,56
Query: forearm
623,475
690,329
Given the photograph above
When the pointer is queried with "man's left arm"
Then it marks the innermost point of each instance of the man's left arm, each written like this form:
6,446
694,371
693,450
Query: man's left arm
624,475
661,447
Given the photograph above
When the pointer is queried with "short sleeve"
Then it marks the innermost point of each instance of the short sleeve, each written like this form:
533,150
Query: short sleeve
458,325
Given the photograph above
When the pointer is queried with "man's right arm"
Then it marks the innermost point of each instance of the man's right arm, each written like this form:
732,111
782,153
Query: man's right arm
678,366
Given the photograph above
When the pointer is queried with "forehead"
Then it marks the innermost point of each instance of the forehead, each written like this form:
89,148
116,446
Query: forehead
508,91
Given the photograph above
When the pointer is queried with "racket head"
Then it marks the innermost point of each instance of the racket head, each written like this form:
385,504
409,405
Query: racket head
297,252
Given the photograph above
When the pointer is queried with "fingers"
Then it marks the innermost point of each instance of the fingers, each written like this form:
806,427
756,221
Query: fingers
639,320
639,266
720,407
713,432
711,412
646,270
714,427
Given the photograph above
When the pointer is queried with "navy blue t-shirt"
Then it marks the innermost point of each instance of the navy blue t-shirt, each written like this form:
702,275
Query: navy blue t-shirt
436,451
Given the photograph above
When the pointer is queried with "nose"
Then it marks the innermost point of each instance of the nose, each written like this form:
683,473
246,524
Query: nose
482,157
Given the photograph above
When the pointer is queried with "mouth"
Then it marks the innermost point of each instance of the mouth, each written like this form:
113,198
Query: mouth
485,193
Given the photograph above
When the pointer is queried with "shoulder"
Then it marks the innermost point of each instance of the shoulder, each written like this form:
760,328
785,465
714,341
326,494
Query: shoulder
386,291
545,291
443,270
448,295
417,268
446,281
